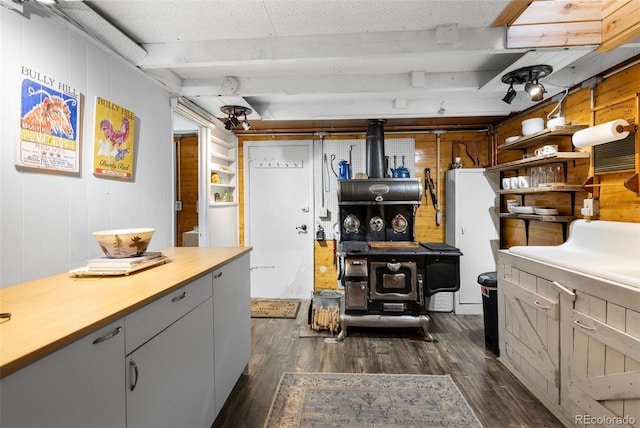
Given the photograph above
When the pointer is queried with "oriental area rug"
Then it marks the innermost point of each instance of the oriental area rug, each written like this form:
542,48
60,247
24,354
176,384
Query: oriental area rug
368,400
274,308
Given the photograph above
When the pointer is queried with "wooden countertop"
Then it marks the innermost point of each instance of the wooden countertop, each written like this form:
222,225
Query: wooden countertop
50,313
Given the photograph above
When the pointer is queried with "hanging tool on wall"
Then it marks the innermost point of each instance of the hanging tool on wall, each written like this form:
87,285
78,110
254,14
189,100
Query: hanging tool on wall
428,183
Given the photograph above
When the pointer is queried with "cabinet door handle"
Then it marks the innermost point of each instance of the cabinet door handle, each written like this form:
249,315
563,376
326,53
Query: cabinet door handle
586,327
541,306
180,297
107,336
218,275
133,371
568,292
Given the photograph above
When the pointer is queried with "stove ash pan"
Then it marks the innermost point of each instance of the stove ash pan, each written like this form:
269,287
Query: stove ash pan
380,191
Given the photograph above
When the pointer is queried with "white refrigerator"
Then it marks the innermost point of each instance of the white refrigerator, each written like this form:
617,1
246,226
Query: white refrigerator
472,225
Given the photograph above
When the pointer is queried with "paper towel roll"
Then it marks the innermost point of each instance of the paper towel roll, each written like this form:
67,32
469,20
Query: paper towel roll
600,134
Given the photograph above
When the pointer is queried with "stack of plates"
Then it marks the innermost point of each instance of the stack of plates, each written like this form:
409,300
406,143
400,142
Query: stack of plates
546,211
522,210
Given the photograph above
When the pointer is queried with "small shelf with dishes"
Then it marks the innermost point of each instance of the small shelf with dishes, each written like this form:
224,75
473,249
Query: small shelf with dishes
557,187
540,137
539,217
540,160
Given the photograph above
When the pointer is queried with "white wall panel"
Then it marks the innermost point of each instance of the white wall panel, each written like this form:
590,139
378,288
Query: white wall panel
46,218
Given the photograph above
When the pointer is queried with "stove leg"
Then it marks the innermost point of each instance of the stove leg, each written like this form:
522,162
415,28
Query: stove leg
343,328
424,323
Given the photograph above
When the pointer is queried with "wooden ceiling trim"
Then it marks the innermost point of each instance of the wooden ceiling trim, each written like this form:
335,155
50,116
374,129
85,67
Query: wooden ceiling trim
555,35
554,12
511,13
620,25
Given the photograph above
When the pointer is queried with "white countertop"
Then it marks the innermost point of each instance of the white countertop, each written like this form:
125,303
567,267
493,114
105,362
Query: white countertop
605,249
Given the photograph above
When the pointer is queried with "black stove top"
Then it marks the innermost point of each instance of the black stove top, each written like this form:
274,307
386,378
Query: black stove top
363,248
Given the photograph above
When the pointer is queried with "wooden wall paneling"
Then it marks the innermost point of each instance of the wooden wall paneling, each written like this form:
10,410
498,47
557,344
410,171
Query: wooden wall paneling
326,274
240,190
617,203
187,185
425,157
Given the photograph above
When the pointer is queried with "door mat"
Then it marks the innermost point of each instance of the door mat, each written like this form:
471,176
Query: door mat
274,308
367,400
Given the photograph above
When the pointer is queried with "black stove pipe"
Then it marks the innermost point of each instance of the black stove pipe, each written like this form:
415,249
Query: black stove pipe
375,149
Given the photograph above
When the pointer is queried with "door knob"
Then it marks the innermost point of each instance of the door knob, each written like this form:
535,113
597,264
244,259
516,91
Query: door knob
302,228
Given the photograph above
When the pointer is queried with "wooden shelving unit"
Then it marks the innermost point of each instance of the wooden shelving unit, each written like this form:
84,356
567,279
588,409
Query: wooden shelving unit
539,137
540,160
545,136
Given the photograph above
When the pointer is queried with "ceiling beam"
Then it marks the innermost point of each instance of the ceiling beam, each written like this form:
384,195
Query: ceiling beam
398,83
326,47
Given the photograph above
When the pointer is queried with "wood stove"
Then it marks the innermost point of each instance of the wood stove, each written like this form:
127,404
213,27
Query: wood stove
387,276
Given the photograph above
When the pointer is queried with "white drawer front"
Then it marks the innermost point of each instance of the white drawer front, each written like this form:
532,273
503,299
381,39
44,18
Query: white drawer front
150,320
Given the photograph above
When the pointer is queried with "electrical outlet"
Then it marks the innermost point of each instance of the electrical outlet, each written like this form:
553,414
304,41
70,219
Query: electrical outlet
322,212
178,205
590,208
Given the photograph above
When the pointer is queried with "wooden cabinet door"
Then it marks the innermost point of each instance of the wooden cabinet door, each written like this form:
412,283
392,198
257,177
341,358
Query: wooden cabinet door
80,385
170,378
604,374
530,342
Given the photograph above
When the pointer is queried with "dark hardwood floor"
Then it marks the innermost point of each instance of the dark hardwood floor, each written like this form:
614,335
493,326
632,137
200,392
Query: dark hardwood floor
497,398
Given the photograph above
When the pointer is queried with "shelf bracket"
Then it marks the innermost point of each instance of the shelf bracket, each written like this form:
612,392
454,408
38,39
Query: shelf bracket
633,183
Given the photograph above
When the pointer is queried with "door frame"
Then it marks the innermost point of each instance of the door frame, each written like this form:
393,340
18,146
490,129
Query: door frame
311,200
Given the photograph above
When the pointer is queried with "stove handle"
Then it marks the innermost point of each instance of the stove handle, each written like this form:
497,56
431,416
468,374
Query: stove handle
394,267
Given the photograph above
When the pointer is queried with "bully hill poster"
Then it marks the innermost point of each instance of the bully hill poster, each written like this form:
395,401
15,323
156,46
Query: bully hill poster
48,124
113,136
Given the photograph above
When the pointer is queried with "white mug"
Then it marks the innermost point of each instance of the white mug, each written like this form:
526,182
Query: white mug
513,182
506,183
523,181
546,150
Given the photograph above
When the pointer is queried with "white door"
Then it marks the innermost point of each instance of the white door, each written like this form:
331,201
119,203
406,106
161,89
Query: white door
279,218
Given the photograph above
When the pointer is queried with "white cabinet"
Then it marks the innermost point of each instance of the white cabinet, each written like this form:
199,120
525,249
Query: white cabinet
170,378
169,366
81,385
232,325
573,340
472,226
604,359
530,335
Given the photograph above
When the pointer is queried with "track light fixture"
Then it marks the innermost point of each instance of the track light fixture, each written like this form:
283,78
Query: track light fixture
511,94
233,112
527,76
245,123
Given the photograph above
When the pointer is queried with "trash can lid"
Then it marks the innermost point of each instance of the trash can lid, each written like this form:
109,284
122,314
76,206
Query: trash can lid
488,279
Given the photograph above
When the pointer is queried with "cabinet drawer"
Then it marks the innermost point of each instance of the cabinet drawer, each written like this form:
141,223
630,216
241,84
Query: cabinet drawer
150,320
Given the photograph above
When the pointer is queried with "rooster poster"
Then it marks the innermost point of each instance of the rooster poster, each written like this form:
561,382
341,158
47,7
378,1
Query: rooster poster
113,135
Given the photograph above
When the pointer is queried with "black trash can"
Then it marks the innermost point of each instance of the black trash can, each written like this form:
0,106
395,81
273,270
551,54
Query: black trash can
489,284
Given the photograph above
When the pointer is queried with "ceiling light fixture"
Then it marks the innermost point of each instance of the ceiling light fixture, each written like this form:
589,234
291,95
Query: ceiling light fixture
511,94
245,123
529,77
233,112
